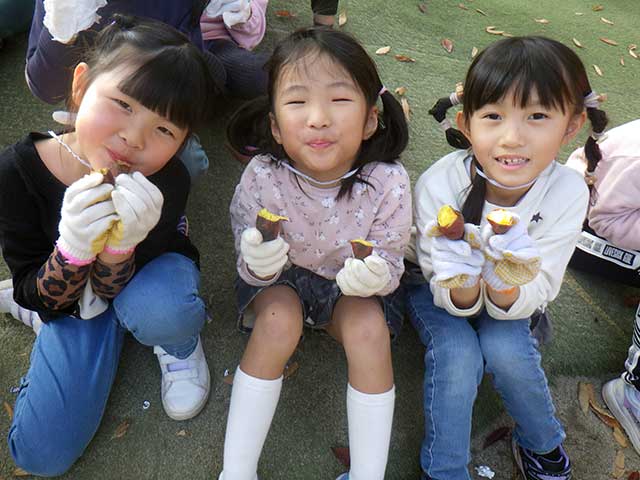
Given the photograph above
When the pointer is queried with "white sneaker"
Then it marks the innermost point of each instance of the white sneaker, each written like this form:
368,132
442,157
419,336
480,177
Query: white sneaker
622,399
7,305
185,383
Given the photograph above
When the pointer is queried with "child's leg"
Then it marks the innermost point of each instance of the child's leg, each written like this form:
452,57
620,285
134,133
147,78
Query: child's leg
63,396
453,371
359,325
512,357
258,379
161,307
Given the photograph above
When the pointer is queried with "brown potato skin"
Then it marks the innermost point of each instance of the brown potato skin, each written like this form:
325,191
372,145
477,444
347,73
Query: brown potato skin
360,251
455,231
269,230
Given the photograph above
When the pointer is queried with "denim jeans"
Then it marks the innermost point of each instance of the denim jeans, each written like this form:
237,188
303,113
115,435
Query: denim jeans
74,362
458,350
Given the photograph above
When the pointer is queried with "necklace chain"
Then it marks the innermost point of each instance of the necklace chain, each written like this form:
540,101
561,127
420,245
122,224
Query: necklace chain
58,139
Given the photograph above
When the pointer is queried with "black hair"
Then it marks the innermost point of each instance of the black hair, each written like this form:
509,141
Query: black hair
522,65
169,75
250,125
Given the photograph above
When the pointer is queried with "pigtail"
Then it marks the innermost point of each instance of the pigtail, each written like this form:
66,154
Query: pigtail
599,120
392,135
249,130
455,137
473,204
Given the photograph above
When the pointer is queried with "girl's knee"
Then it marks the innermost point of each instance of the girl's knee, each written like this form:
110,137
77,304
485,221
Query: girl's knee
278,316
366,332
508,355
38,455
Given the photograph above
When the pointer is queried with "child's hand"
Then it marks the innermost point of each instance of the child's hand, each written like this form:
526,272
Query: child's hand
264,259
240,14
512,257
86,217
65,19
456,264
363,278
215,8
138,203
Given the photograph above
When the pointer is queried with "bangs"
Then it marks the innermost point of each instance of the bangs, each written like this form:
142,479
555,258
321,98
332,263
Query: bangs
160,84
519,66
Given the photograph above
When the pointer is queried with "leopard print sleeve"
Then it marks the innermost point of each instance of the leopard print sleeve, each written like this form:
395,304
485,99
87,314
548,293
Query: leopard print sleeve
60,283
108,279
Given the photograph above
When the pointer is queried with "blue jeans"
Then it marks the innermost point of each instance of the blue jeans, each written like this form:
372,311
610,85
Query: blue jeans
74,362
458,351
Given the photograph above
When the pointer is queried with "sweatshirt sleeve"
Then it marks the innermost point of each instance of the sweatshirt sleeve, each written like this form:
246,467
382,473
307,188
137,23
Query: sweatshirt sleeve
616,213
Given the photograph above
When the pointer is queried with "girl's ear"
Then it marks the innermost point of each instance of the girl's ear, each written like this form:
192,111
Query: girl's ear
574,126
78,85
462,124
275,129
371,125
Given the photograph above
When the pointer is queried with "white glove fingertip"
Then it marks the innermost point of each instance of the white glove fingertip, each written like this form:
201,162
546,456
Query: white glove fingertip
252,236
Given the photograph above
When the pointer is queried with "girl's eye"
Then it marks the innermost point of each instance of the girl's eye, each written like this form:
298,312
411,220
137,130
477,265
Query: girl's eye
492,116
122,104
342,100
166,131
539,116
294,102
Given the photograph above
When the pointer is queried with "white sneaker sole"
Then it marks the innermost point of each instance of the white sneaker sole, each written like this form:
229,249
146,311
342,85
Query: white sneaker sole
623,415
196,409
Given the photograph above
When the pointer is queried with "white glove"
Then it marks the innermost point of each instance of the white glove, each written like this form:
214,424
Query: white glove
453,258
215,8
65,18
138,203
264,259
236,16
363,278
86,217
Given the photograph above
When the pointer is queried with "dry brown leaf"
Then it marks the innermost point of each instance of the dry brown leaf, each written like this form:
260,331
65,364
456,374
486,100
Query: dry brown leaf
543,21
481,12
284,14
422,7
9,410
618,465
447,45
342,18
632,52
598,71
181,433
121,429
622,61
404,58
579,13
586,395
495,436
597,8
406,108
577,43
505,34
492,30
620,437
401,90
383,50
604,20
18,472
608,41
474,52
343,456
228,379
635,475
290,370
604,416
463,6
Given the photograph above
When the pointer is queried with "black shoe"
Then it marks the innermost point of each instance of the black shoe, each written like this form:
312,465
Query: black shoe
533,466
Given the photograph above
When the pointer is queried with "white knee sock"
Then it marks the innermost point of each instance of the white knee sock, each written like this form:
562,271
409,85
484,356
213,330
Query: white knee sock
28,317
253,404
370,418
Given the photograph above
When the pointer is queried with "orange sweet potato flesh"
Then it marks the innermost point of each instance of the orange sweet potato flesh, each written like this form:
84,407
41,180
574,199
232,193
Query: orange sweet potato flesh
501,220
450,222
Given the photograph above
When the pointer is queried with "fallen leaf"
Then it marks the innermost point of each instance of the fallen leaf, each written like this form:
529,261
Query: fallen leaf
406,108
597,8
632,52
342,454
121,429
620,437
284,14
474,52
18,472
342,18
383,50
586,395
505,34
481,12
495,436
604,20
492,30
228,379
605,416
404,58
577,43
9,410
608,41
598,71
618,465
422,7
579,13
635,475
401,90
447,45
463,6
290,370
622,61
182,433
543,21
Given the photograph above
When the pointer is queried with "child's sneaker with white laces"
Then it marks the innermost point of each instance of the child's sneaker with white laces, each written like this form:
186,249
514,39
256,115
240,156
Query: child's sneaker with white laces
8,305
554,465
185,383
624,402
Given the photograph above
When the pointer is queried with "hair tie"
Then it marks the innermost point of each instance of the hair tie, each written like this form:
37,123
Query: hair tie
599,137
445,125
590,178
592,100
382,90
454,98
